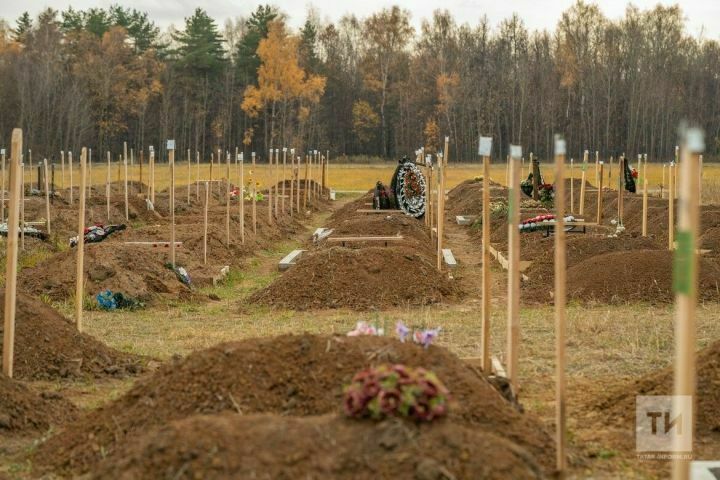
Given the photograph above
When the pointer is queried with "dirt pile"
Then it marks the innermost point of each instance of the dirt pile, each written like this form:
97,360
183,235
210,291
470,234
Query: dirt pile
47,346
349,210
361,279
640,275
466,198
23,411
136,271
710,240
412,230
233,446
288,375
618,407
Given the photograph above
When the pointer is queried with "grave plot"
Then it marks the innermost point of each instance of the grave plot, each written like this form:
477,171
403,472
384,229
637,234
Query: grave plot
47,346
271,376
366,262
24,412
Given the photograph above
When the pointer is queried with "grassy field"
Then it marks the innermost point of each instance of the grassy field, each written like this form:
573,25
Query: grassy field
357,177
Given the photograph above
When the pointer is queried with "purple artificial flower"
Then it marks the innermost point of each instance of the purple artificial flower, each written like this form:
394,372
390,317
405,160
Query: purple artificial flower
426,337
402,331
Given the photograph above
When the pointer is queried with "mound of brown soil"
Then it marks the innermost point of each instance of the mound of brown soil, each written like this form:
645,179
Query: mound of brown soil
367,278
133,270
619,406
47,346
466,198
710,240
349,210
412,230
22,411
233,446
640,275
289,375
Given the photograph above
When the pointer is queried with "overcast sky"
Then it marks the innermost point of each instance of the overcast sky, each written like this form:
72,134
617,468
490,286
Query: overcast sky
701,15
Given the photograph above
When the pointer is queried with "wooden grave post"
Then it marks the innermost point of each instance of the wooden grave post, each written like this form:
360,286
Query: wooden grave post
485,150
3,187
227,201
269,182
80,271
277,181
513,295
662,185
189,175
572,186
107,187
70,167
62,169
621,189
685,286
125,165
676,169
242,197
284,178
212,162
142,160
22,205
306,191
292,181
171,160
89,173
15,186
152,175
441,203
47,196
600,195
254,195
197,176
671,206
560,300
205,221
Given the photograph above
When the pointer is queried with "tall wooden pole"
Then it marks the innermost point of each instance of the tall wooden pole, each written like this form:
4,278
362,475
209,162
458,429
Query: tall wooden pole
212,162
600,194
254,194
3,188
152,175
242,197
671,206
197,176
685,285
292,181
572,186
513,299
70,167
142,158
89,173
11,256
277,182
80,272
583,178
676,169
22,205
560,299
441,203
485,149
205,221
62,169
307,185
171,159
107,188
227,201
47,196
621,189
270,189
125,164
297,185
189,175
284,178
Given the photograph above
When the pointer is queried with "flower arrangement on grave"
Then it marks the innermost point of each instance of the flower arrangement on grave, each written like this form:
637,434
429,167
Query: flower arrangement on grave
365,328
422,337
396,390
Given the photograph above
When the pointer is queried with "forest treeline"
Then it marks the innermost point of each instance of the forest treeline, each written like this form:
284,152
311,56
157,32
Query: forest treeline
360,86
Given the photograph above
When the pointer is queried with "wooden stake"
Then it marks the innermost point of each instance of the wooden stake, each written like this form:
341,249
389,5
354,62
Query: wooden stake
284,178
90,178
599,195
269,182
621,189
486,294
572,186
142,158
441,203
171,159
645,207
12,252
132,163
22,206
677,164
297,185
307,189
47,195
513,306
277,181
125,165
662,185
197,175
205,229
597,167
80,271
152,176
242,198
671,206
583,176
685,285
292,181
254,195
227,201
107,188
3,189
559,300
700,179
211,170
70,167
189,176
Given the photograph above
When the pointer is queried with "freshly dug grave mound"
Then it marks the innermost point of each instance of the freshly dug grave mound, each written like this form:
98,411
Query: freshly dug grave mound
233,446
466,198
412,230
361,279
289,375
23,411
349,210
710,240
619,405
47,346
135,271
579,248
640,275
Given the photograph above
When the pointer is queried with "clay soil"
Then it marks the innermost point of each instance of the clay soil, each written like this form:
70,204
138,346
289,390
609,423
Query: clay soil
25,412
296,376
232,446
362,279
47,346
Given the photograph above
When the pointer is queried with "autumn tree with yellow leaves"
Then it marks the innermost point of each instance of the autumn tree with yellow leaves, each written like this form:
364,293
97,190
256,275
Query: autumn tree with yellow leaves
285,93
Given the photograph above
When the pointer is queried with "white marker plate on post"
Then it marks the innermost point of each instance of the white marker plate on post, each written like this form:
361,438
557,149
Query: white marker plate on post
171,144
2,151
485,146
516,152
695,140
560,147
152,148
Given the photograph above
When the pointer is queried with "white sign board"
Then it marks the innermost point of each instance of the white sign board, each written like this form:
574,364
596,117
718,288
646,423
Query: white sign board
485,146
151,148
171,144
560,148
695,140
2,151
516,152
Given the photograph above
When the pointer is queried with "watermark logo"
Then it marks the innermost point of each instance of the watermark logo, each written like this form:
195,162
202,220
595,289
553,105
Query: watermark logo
663,424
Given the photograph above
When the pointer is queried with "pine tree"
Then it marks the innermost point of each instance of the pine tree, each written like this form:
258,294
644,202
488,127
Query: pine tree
24,26
200,52
247,60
